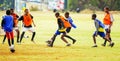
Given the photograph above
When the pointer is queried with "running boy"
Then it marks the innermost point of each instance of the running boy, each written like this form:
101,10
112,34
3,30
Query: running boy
63,26
27,20
99,31
15,25
108,22
7,25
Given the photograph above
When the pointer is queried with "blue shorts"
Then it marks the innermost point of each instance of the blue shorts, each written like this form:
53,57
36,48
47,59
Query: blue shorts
101,34
58,32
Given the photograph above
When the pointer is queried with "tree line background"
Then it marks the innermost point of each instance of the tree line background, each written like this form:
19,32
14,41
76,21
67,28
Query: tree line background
74,4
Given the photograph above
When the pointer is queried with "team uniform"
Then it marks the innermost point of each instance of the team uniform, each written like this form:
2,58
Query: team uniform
99,28
27,25
15,25
107,21
7,25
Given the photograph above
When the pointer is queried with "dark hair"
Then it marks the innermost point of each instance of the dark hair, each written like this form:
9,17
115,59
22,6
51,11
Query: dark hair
67,13
11,9
94,15
8,12
107,8
57,13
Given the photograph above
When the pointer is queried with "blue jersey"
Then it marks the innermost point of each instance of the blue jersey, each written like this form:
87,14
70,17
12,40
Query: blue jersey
7,23
71,22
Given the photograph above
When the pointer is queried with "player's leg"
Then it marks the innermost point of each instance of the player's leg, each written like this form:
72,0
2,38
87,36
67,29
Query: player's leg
22,35
94,39
33,31
62,37
12,44
4,39
52,40
70,38
18,34
102,34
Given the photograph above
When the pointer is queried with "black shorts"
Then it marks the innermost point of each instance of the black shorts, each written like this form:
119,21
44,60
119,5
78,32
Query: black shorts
68,29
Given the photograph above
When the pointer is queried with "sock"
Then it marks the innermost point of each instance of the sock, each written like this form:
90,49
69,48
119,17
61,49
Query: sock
110,39
53,39
18,37
105,42
9,42
12,41
33,36
4,38
22,36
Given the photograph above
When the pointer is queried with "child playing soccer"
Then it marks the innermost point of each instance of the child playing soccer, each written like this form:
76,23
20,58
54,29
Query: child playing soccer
99,31
15,18
63,25
27,20
7,25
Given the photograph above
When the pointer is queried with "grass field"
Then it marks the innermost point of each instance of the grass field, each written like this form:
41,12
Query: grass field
80,51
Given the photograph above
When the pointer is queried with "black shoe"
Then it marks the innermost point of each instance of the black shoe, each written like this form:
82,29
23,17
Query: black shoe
49,45
112,44
68,45
103,45
95,46
12,50
74,41
48,42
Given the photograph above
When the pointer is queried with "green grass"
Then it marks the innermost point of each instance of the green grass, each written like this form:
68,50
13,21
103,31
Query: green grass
80,51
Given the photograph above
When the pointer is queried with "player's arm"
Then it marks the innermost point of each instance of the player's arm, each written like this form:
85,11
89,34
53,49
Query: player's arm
97,27
2,23
33,21
21,18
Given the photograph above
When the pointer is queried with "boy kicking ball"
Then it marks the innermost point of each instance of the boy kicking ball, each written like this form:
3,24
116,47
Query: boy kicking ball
99,31
7,25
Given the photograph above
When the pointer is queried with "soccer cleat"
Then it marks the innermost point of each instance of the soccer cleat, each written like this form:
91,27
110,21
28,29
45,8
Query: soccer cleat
19,42
12,48
74,41
103,45
2,42
112,44
95,46
32,41
68,45
49,41
49,45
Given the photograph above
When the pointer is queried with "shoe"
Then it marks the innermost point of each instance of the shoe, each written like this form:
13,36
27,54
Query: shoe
32,41
112,44
103,45
2,42
74,41
49,45
49,41
12,48
68,45
95,46
19,42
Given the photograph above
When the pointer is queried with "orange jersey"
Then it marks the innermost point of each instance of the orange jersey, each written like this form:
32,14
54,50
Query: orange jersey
66,23
15,16
27,20
107,19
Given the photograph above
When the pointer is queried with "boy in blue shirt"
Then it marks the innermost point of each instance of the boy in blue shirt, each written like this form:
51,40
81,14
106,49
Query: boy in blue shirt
99,31
7,25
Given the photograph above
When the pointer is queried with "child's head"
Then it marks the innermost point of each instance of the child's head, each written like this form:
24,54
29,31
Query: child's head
94,16
57,14
12,10
106,9
26,11
8,12
67,14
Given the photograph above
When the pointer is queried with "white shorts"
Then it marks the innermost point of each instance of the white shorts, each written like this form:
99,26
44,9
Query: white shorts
107,26
15,28
28,29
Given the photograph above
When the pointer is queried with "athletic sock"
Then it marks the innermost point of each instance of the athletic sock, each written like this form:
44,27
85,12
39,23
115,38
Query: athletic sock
105,42
12,41
53,39
18,37
22,36
33,36
4,38
9,42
